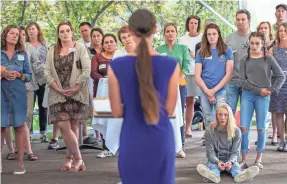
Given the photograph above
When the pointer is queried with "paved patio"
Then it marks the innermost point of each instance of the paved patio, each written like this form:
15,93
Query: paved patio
104,171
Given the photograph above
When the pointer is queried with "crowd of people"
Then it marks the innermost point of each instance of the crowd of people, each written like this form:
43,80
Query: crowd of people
144,85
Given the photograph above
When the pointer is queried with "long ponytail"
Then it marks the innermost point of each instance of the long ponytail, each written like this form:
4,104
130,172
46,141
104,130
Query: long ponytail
142,23
147,91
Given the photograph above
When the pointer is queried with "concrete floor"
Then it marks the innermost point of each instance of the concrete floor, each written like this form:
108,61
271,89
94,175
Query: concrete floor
104,171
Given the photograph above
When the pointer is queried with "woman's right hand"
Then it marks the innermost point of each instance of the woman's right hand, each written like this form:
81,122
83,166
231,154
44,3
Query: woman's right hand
265,92
61,92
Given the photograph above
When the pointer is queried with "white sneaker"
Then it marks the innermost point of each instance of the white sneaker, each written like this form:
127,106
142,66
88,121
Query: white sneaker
204,171
105,153
181,154
247,174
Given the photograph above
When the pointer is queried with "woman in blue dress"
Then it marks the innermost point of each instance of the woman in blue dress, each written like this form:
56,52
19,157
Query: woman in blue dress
143,89
13,91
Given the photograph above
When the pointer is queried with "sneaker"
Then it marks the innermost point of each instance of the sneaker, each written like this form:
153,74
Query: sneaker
54,144
98,143
258,164
181,154
44,138
89,140
243,165
105,154
19,171
204,171
247,174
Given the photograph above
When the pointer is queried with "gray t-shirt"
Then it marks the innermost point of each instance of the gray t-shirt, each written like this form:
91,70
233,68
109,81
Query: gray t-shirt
239,44
256,74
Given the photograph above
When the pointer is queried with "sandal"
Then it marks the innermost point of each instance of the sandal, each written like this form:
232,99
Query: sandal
82,167
11,156
67,165
32,157
259,164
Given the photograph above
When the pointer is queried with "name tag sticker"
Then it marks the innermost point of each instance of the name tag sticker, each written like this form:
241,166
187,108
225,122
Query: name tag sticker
20,57
163,54
210,57
102,66
71,50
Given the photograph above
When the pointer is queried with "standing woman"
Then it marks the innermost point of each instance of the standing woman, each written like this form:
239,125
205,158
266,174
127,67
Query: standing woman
266,29
99,70
213,70
181,54
67,70
278,102
97,38
101,60
36,38
143,89
192,26
13,91
255,76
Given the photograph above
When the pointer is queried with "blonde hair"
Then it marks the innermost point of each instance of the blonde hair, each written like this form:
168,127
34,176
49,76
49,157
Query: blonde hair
231,125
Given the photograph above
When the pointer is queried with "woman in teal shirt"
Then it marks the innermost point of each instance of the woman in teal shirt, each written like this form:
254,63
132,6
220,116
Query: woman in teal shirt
181,54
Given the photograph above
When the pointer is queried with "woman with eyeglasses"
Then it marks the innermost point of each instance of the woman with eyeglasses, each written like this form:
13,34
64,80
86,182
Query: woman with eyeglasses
67,70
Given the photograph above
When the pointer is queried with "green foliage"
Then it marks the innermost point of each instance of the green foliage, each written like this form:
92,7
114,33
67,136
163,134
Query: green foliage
111,15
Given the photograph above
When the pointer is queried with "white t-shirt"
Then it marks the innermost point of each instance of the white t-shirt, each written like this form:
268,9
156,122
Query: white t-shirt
190,42
120,53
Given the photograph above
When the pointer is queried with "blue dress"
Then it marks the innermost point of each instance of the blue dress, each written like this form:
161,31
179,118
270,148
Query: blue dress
13,92
147,152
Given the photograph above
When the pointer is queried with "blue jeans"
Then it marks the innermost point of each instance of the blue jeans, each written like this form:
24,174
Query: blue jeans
233,92
250,102
209,109
183,93
234,171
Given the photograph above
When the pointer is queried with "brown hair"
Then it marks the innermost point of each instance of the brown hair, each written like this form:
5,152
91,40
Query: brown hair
262,37
205,45
59,43
97,29
269,26
170,24
142,22
124,29
19,45
277,34
40,33
188,20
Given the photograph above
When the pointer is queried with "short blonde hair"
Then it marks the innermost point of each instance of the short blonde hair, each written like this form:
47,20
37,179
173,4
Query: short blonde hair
231,125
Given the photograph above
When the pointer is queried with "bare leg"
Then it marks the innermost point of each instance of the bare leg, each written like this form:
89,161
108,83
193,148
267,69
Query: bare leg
189,114
71,141
281,127
3,130
9,141
56,131
274,127
85,128
20,143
